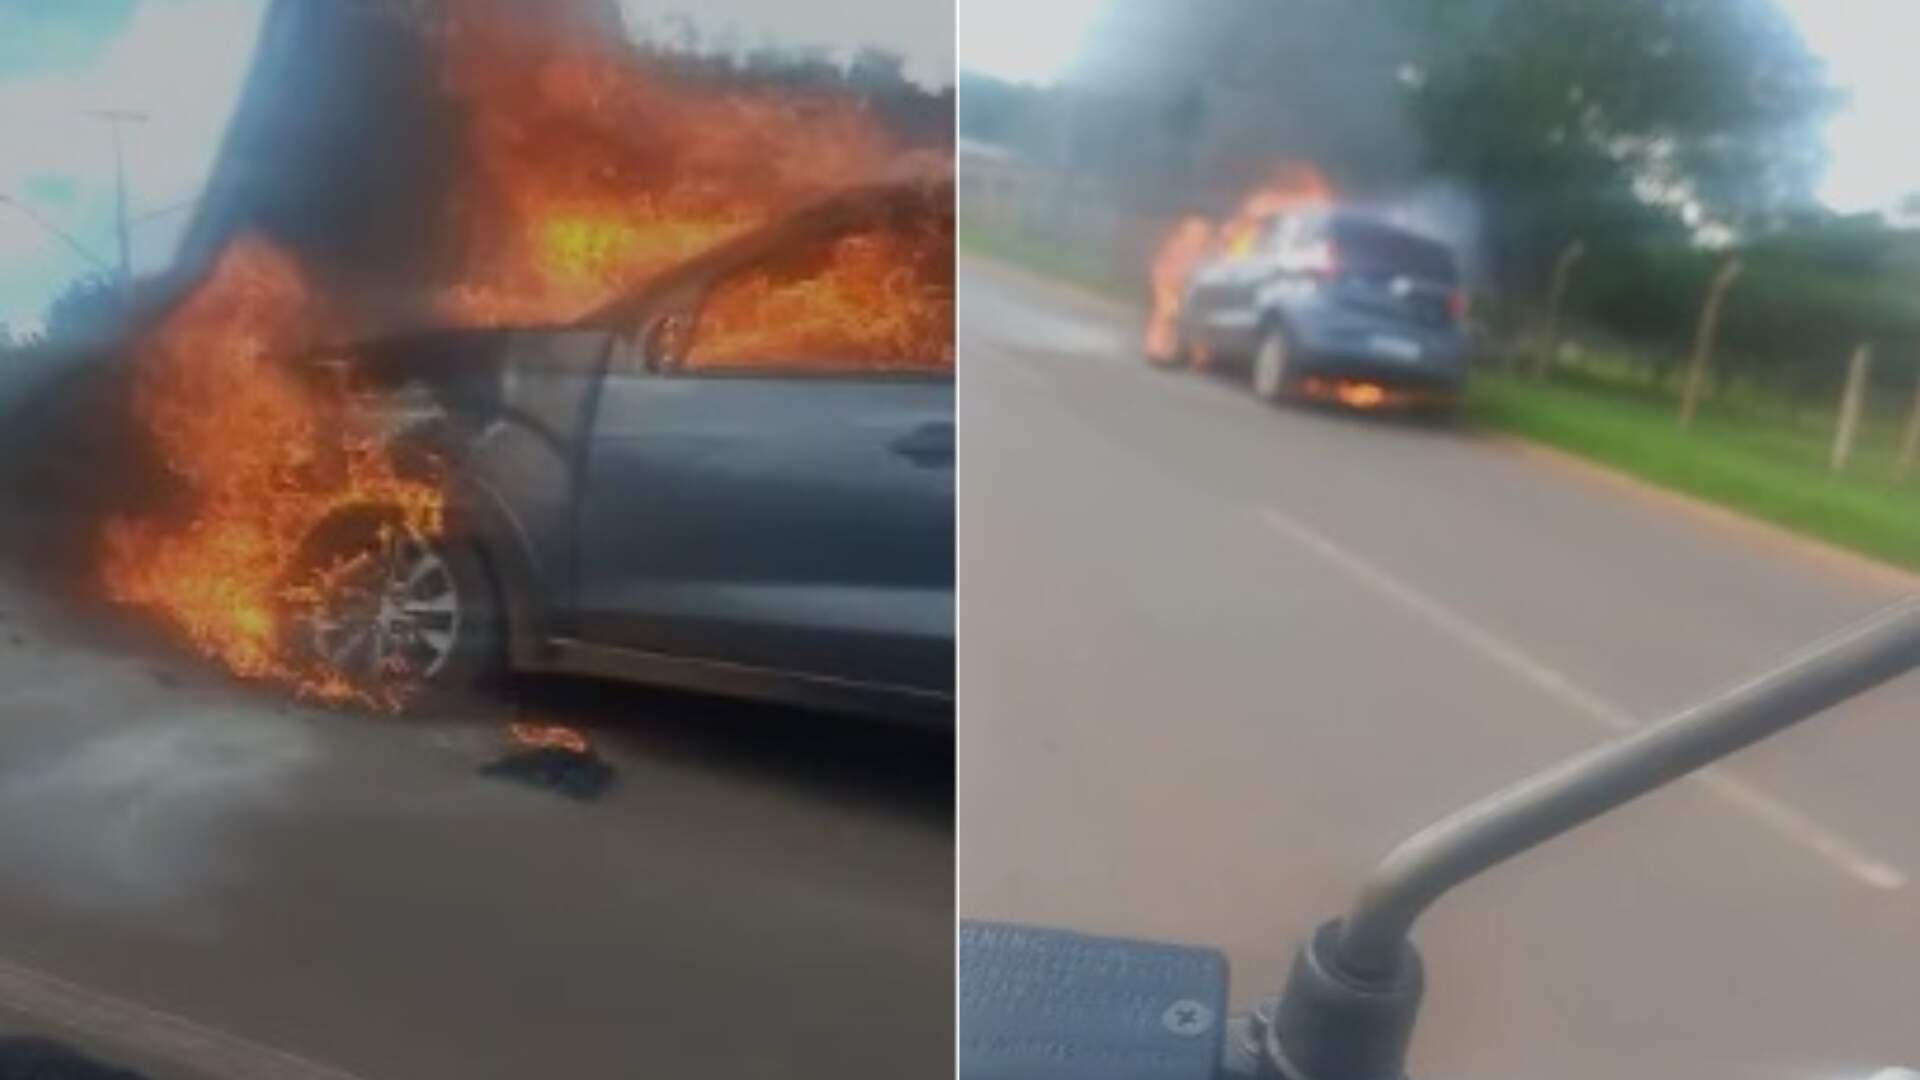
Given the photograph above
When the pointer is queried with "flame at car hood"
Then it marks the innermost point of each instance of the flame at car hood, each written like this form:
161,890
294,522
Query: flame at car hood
261,457
1195,239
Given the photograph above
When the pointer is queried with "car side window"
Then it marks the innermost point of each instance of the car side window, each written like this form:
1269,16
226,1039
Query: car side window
875,299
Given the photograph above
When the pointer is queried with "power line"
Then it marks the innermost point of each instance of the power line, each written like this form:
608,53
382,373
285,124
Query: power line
64,235
114,119
185,204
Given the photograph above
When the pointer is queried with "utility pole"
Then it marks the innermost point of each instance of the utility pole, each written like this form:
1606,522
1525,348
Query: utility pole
114,118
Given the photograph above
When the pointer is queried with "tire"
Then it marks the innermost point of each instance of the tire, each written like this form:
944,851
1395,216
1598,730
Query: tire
405,619
1272,375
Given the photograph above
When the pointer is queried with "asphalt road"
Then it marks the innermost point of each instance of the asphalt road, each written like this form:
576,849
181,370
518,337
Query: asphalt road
204,881
1218,658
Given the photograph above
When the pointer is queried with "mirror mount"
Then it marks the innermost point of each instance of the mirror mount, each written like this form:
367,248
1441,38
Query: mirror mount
665,339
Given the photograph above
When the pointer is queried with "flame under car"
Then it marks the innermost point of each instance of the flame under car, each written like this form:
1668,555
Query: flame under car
737,479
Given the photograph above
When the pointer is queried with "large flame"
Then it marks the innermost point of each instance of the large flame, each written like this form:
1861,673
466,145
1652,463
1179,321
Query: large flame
882,299
1289,186
583,171
1184,248
262,456
588,171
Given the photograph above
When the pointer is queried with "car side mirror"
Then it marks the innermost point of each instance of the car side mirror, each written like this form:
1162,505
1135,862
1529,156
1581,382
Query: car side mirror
665,341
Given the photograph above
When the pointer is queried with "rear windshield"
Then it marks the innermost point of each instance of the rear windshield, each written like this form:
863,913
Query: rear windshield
1370,247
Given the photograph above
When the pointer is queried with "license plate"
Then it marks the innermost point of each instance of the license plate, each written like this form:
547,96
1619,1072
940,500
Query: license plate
1395,348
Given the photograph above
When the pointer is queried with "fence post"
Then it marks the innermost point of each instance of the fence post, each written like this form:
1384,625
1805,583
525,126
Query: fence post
1910,442
1556,293
1702,358
1850,400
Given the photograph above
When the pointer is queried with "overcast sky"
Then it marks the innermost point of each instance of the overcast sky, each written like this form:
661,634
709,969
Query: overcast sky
1875,154
182,63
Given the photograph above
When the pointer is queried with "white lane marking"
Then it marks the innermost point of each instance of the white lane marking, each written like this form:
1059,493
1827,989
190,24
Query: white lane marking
1785,821
211,1054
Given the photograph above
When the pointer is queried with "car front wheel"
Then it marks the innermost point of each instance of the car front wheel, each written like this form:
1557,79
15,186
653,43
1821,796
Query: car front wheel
1272,363
393,614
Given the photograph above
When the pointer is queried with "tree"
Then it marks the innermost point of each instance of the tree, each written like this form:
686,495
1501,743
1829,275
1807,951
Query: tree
877,72
1573,117
90,309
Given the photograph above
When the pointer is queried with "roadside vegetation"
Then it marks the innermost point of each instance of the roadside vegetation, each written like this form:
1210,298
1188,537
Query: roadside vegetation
1062,262
1759,459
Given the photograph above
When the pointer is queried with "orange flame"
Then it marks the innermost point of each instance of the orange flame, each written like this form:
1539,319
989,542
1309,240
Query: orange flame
591,172
1183,249
884,299
1289,186
1361,395
583,172
263,457
538,736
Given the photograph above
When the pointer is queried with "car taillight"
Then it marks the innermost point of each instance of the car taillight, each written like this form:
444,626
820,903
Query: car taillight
1458,304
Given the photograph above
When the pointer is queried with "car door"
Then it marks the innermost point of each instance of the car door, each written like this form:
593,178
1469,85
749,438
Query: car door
1224,301
776,497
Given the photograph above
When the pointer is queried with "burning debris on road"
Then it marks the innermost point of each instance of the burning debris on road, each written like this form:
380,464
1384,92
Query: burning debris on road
554,757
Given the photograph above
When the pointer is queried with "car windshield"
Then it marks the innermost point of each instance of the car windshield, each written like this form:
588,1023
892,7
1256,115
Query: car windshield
1372,247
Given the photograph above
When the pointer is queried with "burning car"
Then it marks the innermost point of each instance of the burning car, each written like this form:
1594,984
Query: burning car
1326,302
737,479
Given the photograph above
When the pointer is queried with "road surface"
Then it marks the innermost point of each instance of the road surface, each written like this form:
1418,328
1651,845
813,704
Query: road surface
1218,658
208,883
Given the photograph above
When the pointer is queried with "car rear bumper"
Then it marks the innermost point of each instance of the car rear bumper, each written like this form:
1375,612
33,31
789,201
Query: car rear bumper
1428,377
1361,393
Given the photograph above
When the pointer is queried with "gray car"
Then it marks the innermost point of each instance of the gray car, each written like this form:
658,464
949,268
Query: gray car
1334,304
760,529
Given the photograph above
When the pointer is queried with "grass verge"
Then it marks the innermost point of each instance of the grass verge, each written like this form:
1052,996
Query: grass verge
1766,469
1052,260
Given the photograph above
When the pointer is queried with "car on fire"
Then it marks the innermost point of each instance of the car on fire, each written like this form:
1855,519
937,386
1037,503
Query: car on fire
1330,303
766,518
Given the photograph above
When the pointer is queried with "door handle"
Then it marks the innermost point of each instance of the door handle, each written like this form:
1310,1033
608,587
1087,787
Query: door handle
928,446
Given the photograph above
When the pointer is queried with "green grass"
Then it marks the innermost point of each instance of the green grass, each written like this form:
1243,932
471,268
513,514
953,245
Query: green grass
1052,260
1764,466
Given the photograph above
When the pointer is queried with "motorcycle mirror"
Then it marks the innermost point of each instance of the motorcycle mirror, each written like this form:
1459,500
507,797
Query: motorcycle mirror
1348,1007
